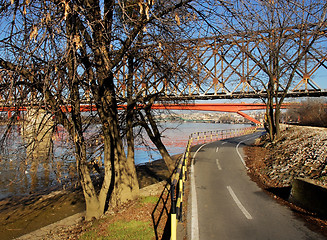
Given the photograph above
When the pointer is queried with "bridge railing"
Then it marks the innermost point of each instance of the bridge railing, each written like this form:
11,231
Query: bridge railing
180,176
203,137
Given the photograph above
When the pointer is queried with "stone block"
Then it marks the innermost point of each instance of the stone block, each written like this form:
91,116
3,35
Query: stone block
308,194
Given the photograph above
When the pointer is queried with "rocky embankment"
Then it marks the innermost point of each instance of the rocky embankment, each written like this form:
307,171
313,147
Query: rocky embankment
300,152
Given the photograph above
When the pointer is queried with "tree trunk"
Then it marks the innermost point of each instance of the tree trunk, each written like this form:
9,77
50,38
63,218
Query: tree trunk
130,112
124,184
108,180
75,128
156,139
93,207
277,124
270,111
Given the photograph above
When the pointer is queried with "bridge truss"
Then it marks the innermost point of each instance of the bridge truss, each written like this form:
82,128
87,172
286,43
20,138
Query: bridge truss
220,68
208,68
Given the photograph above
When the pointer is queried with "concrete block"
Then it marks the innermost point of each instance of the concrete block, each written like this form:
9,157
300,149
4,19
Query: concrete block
309,195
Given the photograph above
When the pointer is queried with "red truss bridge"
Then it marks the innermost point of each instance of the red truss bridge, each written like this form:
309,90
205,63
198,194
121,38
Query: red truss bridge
209,68
202,69
218,107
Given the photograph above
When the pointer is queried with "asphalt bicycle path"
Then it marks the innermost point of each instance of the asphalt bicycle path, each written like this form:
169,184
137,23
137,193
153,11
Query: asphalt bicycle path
226,204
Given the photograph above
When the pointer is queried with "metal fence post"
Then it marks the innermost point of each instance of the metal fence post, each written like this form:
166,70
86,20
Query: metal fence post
173,220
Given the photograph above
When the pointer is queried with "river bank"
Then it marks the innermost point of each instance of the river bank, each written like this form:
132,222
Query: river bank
300,152
21,215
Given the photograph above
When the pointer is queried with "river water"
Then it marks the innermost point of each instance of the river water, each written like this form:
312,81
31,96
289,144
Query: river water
21,176
176,136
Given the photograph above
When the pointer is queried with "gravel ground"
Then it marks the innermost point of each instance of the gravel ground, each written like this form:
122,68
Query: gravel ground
301,152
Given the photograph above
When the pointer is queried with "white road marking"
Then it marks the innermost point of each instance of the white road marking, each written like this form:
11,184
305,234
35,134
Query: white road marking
199,150
238,152
239,204
194,212
223,143
218,164
217,149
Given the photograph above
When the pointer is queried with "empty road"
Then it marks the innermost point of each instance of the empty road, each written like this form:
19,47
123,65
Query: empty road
226,205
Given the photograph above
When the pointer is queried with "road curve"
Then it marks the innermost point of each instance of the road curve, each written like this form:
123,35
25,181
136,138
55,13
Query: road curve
226,205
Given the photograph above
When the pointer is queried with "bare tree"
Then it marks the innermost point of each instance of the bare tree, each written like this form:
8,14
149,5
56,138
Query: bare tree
279,37
63,50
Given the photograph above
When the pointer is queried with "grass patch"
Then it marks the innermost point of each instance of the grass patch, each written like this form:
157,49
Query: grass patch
90,235
133,230
149,199
122,230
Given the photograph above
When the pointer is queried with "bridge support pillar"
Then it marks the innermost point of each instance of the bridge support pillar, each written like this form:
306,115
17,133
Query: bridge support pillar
37,130
37,133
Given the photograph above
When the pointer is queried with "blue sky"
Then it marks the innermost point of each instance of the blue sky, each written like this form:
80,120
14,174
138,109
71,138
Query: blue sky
320,77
